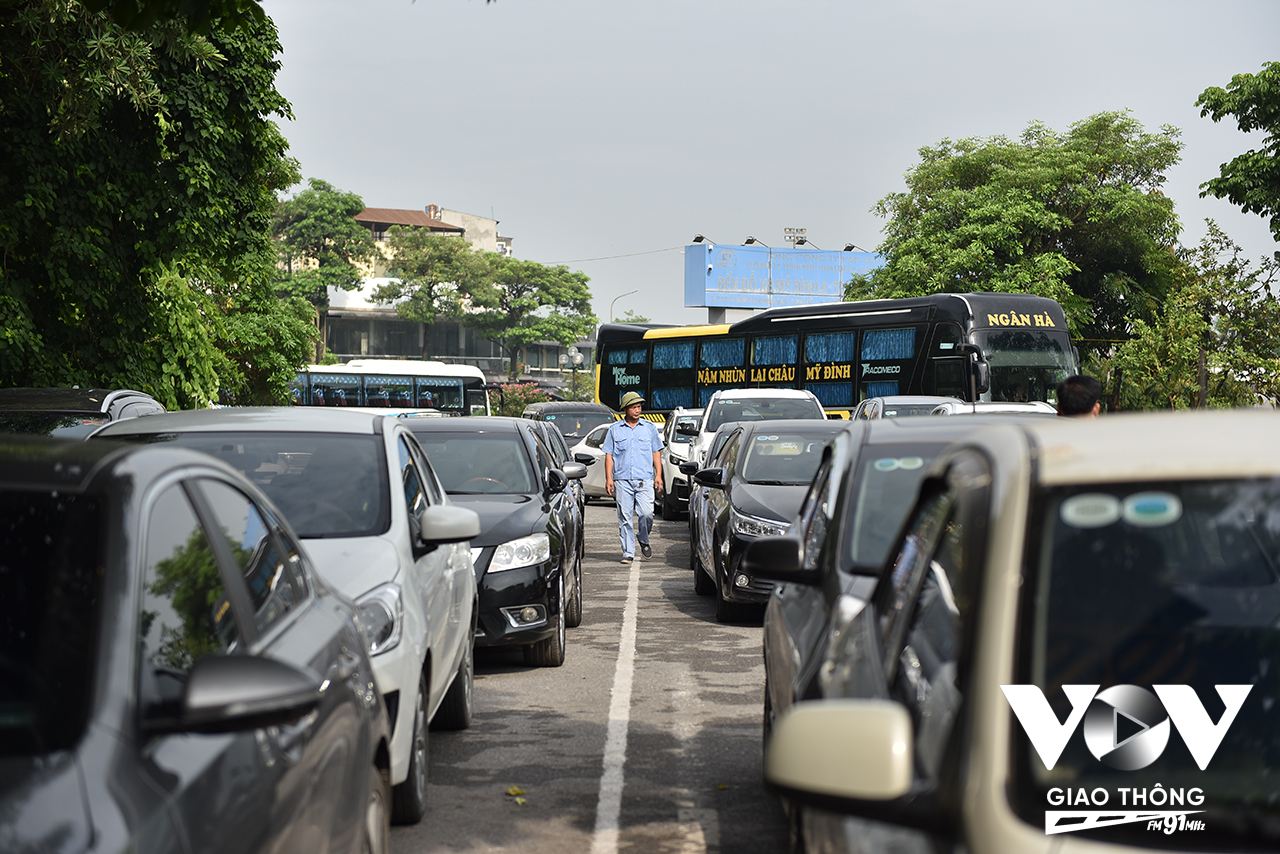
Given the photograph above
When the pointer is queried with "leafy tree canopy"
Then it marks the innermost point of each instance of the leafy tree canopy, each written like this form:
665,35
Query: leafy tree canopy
1252,180
138,174
631,317
321,244
1214,341
520,302
197,15
1075,216
432,273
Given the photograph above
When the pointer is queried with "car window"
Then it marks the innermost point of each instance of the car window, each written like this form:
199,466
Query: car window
761,409
782,458
907,573
51,555
411,482
485,462
274,590
815,513
595,439
885,483
1152,587
326,485
186,612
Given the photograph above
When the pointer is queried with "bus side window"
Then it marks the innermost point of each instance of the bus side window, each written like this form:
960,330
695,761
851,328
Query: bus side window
946,374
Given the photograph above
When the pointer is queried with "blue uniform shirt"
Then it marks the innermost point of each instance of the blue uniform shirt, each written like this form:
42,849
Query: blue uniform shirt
632,449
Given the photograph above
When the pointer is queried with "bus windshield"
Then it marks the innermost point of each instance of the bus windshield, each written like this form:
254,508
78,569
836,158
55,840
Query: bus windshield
1025,364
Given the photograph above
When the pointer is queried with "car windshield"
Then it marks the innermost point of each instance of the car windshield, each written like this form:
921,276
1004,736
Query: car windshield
472,463
575,425
1152,587
60,424
761,409
1025,364
50,574
326,485
885,487
904,410
783,458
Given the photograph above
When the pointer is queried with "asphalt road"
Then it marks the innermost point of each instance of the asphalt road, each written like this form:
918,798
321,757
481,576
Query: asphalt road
647,739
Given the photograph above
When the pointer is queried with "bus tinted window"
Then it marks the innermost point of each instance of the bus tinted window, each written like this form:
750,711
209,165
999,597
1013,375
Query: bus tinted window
775,350
618,357
673,355
832,394
724,353
670,398
639,355
889,343
829,347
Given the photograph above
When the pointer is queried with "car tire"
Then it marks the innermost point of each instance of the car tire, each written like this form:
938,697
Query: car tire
664,508
456,708
377,813
726,611
409,799
550,652
573,608
701,581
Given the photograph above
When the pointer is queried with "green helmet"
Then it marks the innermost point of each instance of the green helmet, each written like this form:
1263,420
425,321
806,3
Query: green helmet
631,398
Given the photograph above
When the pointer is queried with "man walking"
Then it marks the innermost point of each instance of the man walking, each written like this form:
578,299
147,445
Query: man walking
632,467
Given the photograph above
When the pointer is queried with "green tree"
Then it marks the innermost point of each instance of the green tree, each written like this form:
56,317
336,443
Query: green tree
138,173
632,317
321,246
1075,216
516,396
1215,340
1252,180
432,272
520,302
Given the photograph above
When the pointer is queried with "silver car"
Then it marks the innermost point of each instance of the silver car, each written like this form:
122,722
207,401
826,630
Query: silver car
356,488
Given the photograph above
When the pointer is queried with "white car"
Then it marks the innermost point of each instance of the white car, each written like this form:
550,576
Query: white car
673,499
1070,648
378,527
589,452
748,404
995,407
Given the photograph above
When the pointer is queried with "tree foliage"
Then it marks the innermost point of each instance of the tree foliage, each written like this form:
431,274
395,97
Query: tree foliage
432,273
320,243
138,174
1252,180
1214,342
1075,216
516,396
520,302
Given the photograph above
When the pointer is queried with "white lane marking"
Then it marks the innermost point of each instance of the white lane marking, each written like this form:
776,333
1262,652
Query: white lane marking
609,806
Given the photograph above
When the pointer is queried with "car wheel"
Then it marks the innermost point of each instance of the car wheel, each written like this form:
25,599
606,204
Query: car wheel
456,707
664,509
550,652
726,611
377,813
702,584
573,609
409,799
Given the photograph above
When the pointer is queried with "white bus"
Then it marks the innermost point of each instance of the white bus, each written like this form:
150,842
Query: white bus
394,384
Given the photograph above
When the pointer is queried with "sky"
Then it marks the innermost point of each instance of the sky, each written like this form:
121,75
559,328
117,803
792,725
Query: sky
604,135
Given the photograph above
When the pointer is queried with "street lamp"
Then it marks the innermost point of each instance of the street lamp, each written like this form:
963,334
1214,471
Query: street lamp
751,241
804,241
618,297
572,355
698,238
849,247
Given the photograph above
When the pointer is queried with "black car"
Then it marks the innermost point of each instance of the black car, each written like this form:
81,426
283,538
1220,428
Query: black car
70,413
869,480
527,559
175,677
755,481
573,418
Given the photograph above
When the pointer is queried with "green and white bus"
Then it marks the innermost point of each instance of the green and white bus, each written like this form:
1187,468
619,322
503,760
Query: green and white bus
395,384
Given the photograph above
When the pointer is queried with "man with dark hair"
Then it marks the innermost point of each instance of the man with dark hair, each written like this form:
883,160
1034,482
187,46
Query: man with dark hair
1078,397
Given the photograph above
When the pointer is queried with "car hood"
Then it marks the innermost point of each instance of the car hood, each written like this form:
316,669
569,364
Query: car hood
504,517
42,804
769,501
354,565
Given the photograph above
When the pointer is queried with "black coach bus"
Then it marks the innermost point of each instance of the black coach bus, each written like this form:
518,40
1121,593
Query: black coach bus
992,346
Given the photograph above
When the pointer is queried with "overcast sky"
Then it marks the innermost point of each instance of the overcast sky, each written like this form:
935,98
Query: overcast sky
597,128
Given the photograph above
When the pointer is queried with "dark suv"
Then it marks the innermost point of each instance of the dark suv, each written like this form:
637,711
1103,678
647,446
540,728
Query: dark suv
70,413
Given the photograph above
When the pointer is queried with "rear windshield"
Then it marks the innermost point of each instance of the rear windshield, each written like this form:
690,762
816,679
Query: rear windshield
50,578
885,488
1149,587
575,425
904,410
783,458
60,424
476,463
761,409
326,485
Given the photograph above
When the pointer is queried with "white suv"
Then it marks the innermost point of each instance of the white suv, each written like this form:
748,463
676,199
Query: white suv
749,404
673,499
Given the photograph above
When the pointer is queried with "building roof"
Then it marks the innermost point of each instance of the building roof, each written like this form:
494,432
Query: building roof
395,216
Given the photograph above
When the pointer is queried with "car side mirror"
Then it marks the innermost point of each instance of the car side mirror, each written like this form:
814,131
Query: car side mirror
779,558
850,755
584,458
574,471
235,693
555,481
447,523
713,478
689,468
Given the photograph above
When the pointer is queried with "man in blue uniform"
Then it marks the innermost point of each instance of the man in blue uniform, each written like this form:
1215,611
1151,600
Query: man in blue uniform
632,467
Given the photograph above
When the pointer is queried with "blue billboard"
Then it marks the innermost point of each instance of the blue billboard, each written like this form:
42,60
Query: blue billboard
762,277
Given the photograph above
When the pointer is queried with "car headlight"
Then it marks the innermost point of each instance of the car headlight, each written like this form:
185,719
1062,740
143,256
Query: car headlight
752,526
526,551
381,613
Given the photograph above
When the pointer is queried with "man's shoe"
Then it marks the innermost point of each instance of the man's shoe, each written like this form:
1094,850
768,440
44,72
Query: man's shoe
626,559
645,550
